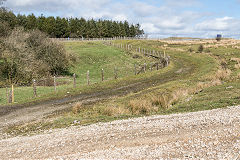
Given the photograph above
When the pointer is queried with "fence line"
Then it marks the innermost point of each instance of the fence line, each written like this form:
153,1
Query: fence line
163,60
100,39
163,57
125,38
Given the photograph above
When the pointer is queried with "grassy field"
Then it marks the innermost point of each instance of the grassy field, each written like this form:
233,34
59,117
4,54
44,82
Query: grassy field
192,82
90,56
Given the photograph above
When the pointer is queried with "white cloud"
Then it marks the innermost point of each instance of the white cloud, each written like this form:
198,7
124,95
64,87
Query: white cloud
150,28
55,5
143,9
219,24
169,18
182,3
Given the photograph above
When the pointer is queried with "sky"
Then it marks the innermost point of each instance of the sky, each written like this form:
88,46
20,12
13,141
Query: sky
158,18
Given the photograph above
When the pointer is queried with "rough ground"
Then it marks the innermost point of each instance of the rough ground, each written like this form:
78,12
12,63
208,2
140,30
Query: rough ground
20,114
211,134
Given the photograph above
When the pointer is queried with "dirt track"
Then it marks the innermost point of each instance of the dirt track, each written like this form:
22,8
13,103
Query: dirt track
13,115
208,134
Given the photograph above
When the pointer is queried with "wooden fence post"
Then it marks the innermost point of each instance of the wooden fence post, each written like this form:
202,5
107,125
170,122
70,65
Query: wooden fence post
74,80
88,78
135,69
145,67
34,88
168,60
102,75
55,83
12,94
115,73
7,97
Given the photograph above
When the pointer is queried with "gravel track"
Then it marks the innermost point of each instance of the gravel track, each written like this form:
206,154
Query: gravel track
213,134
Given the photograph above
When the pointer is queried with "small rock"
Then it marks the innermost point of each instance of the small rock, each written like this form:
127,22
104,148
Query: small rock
230,87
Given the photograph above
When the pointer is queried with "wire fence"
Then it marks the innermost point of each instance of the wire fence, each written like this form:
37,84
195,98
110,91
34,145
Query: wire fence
52,85
100,39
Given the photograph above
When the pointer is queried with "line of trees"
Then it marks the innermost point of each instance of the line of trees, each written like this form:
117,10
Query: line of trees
57,27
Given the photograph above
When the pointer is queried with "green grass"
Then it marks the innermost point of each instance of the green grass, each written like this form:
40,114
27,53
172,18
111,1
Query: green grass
196,68
185,72
92,56
211,98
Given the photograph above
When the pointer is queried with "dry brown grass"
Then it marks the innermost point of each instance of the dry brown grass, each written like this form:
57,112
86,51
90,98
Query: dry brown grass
160,100
202,85
114,111
221,74
139,106
167,100
178,94
237,66
77,108
236,60
238,76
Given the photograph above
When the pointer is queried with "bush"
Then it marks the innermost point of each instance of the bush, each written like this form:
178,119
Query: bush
200,48
190,50
28,55
4,29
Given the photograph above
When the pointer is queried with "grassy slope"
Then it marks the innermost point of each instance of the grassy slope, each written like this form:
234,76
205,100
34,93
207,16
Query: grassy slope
92,57
223,95
184,73
95,56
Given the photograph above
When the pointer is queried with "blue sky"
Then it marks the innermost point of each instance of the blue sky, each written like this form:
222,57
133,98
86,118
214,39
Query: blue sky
158,18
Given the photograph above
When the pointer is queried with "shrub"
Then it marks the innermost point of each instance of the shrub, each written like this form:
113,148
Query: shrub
28,55
4,29
163,100
190,50
77,108
143,107
200,48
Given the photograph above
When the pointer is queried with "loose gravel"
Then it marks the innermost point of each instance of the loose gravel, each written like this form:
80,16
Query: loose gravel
211,134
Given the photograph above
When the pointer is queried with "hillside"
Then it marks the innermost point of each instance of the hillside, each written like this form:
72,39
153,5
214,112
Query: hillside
193,81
